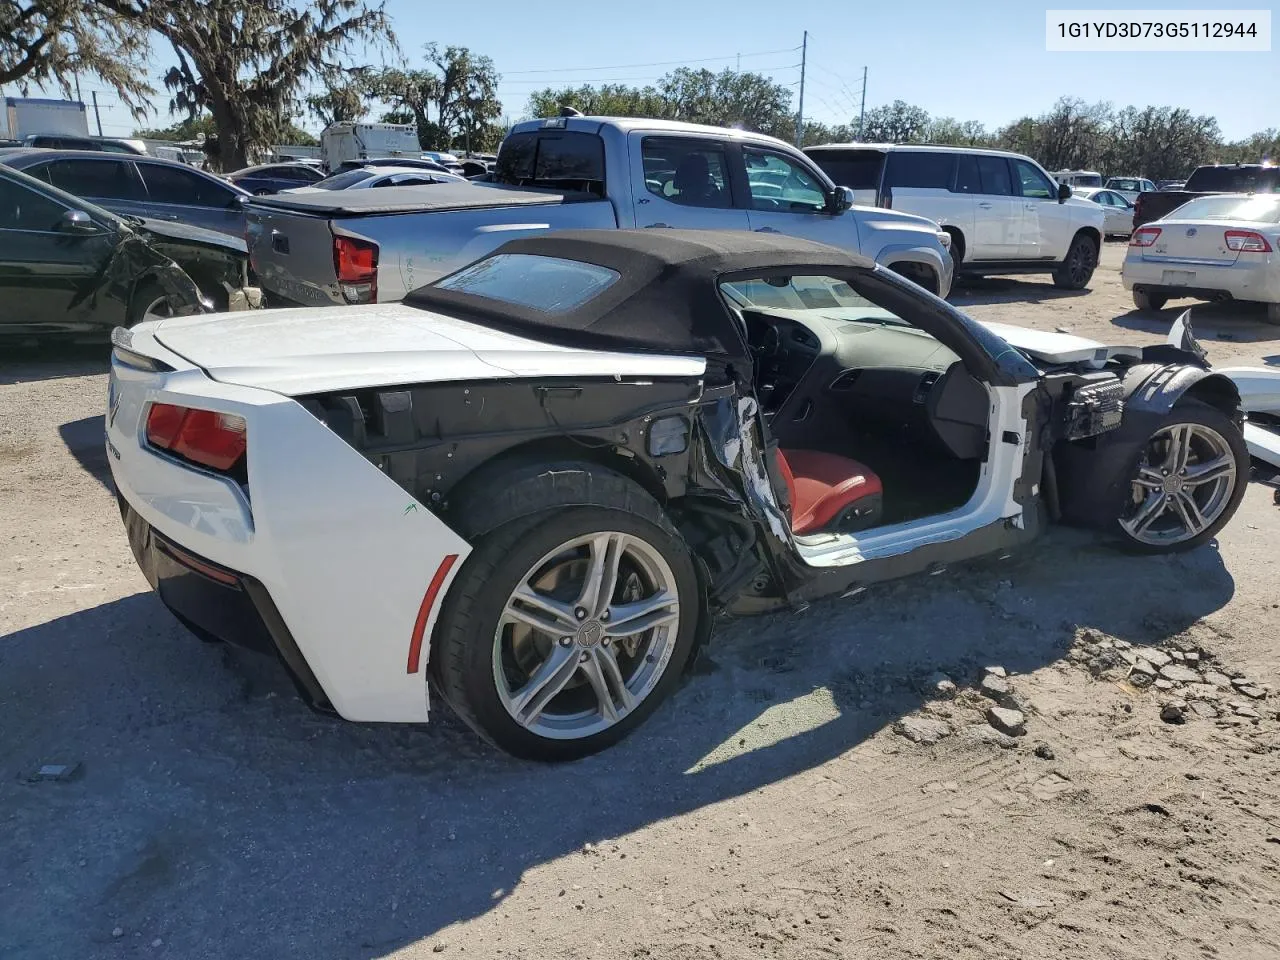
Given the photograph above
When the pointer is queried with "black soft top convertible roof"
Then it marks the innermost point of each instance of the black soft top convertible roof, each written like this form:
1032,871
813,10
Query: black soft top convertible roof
666,299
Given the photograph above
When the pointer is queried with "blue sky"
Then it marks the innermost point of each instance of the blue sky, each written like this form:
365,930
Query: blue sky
982,60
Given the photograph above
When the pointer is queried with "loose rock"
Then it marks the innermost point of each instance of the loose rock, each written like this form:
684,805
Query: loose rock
1220,680
941,685
1163,684
986,736
1158,658
1011,722
1202,709
1044,751
1179,674
1252,692
1174,713
998,689
1000,672
1248,713
922,730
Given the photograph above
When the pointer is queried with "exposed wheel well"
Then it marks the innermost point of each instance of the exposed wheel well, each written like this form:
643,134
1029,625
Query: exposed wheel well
1217,391
919,273
957,243
1092,234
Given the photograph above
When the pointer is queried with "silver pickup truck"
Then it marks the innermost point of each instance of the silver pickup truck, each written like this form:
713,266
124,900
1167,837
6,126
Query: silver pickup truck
367,246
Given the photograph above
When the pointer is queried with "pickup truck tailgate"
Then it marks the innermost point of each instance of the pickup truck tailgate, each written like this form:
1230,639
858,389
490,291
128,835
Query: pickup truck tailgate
416,234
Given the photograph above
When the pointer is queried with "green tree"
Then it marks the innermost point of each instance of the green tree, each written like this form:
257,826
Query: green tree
450,101
345,100
607,100
897,122
247,61
189,128
54,41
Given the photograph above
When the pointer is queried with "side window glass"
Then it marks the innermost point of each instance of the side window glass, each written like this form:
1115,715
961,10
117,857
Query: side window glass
994,173
1033,182
778,183
967,179
692,173
23,209
108,179
174,185
920,169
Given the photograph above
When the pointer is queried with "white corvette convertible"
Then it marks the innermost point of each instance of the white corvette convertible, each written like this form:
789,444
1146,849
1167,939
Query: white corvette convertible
536,481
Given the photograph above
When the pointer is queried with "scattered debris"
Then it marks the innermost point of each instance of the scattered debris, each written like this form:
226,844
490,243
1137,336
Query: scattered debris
997,688
1011,722
1174,712
1000,672
1202,709
1179,674
1044,751
117,933
1220,680
922,729
941,685
57,772
980,734
1163,684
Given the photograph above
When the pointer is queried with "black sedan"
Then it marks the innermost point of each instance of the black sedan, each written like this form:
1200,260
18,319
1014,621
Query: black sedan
69,268
274,177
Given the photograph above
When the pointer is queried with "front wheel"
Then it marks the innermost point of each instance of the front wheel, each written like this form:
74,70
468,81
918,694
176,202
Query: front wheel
150,302
562,634
1188,481
1077,269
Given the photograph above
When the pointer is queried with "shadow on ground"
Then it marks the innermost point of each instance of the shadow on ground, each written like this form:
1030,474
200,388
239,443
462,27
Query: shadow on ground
973,291
85,440
206,795
1239,322
51,361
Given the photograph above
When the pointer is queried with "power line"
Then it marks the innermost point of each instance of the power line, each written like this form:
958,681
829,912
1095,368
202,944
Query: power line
659,63
587,81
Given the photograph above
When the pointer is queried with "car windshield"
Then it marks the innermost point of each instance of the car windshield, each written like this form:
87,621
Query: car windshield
1263,209
340,181
835,299
546,284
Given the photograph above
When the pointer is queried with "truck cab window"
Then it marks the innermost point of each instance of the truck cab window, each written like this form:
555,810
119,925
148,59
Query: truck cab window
559,159
779,183
692,173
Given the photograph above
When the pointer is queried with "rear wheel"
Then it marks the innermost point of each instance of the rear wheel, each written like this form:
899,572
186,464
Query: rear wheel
1148,301
1077,269
1188,481
565,630
150,302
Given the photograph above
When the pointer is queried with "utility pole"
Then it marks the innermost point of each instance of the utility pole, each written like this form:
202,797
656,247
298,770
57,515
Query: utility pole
862,114
97,116
804,56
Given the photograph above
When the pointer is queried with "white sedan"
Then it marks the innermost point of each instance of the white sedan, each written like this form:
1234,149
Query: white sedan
1221,247
1118,210
365,178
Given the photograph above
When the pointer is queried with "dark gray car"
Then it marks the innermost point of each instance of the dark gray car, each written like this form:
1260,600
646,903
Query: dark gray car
138,186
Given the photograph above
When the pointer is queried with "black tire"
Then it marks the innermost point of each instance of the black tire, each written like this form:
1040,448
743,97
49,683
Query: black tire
1272,314
463,649
145,297
1149,301
1077,269
1195,412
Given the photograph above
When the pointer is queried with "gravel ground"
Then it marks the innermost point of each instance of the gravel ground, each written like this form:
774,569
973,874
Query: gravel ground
770,807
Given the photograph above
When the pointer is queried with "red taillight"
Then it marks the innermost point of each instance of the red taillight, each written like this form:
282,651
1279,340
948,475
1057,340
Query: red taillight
211,439
1144,237
1247,241
356,264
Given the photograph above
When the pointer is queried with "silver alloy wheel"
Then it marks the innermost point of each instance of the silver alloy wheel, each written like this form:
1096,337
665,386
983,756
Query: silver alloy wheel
586,635
1183,485
158,309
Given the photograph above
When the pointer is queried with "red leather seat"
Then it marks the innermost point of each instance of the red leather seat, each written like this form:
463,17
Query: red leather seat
829,493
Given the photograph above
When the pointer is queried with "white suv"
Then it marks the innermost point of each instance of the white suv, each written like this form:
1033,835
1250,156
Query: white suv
1004,213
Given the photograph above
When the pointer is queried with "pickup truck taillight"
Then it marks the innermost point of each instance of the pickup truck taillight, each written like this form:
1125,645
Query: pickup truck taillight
356,263
1144,237
1247,241
205,437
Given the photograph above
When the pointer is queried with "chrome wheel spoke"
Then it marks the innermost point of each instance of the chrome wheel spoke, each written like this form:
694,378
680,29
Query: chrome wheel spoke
1147,514
541,612
558,669
602,573
626,619
1189,511
1210,470
1149,478
1179,452
602,672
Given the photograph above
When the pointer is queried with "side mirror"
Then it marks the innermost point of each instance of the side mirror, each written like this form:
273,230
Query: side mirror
79,223
1064,192
841,200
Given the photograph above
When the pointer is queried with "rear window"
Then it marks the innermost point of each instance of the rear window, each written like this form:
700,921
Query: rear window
913,168
1265,209
855,169
553,158
1233,180
1123,183
340,181
547,284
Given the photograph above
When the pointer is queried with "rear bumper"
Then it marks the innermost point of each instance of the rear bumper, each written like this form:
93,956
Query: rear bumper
1240,280
217,603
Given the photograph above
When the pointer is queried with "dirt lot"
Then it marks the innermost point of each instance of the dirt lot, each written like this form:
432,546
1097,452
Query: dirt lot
769,810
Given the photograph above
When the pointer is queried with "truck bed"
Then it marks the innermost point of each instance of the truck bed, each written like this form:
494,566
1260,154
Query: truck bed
427,198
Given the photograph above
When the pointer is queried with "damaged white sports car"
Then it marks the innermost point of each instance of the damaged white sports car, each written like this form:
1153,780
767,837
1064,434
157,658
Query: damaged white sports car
536,481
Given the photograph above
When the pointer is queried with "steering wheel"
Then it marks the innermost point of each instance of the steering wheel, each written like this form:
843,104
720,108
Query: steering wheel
770,344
